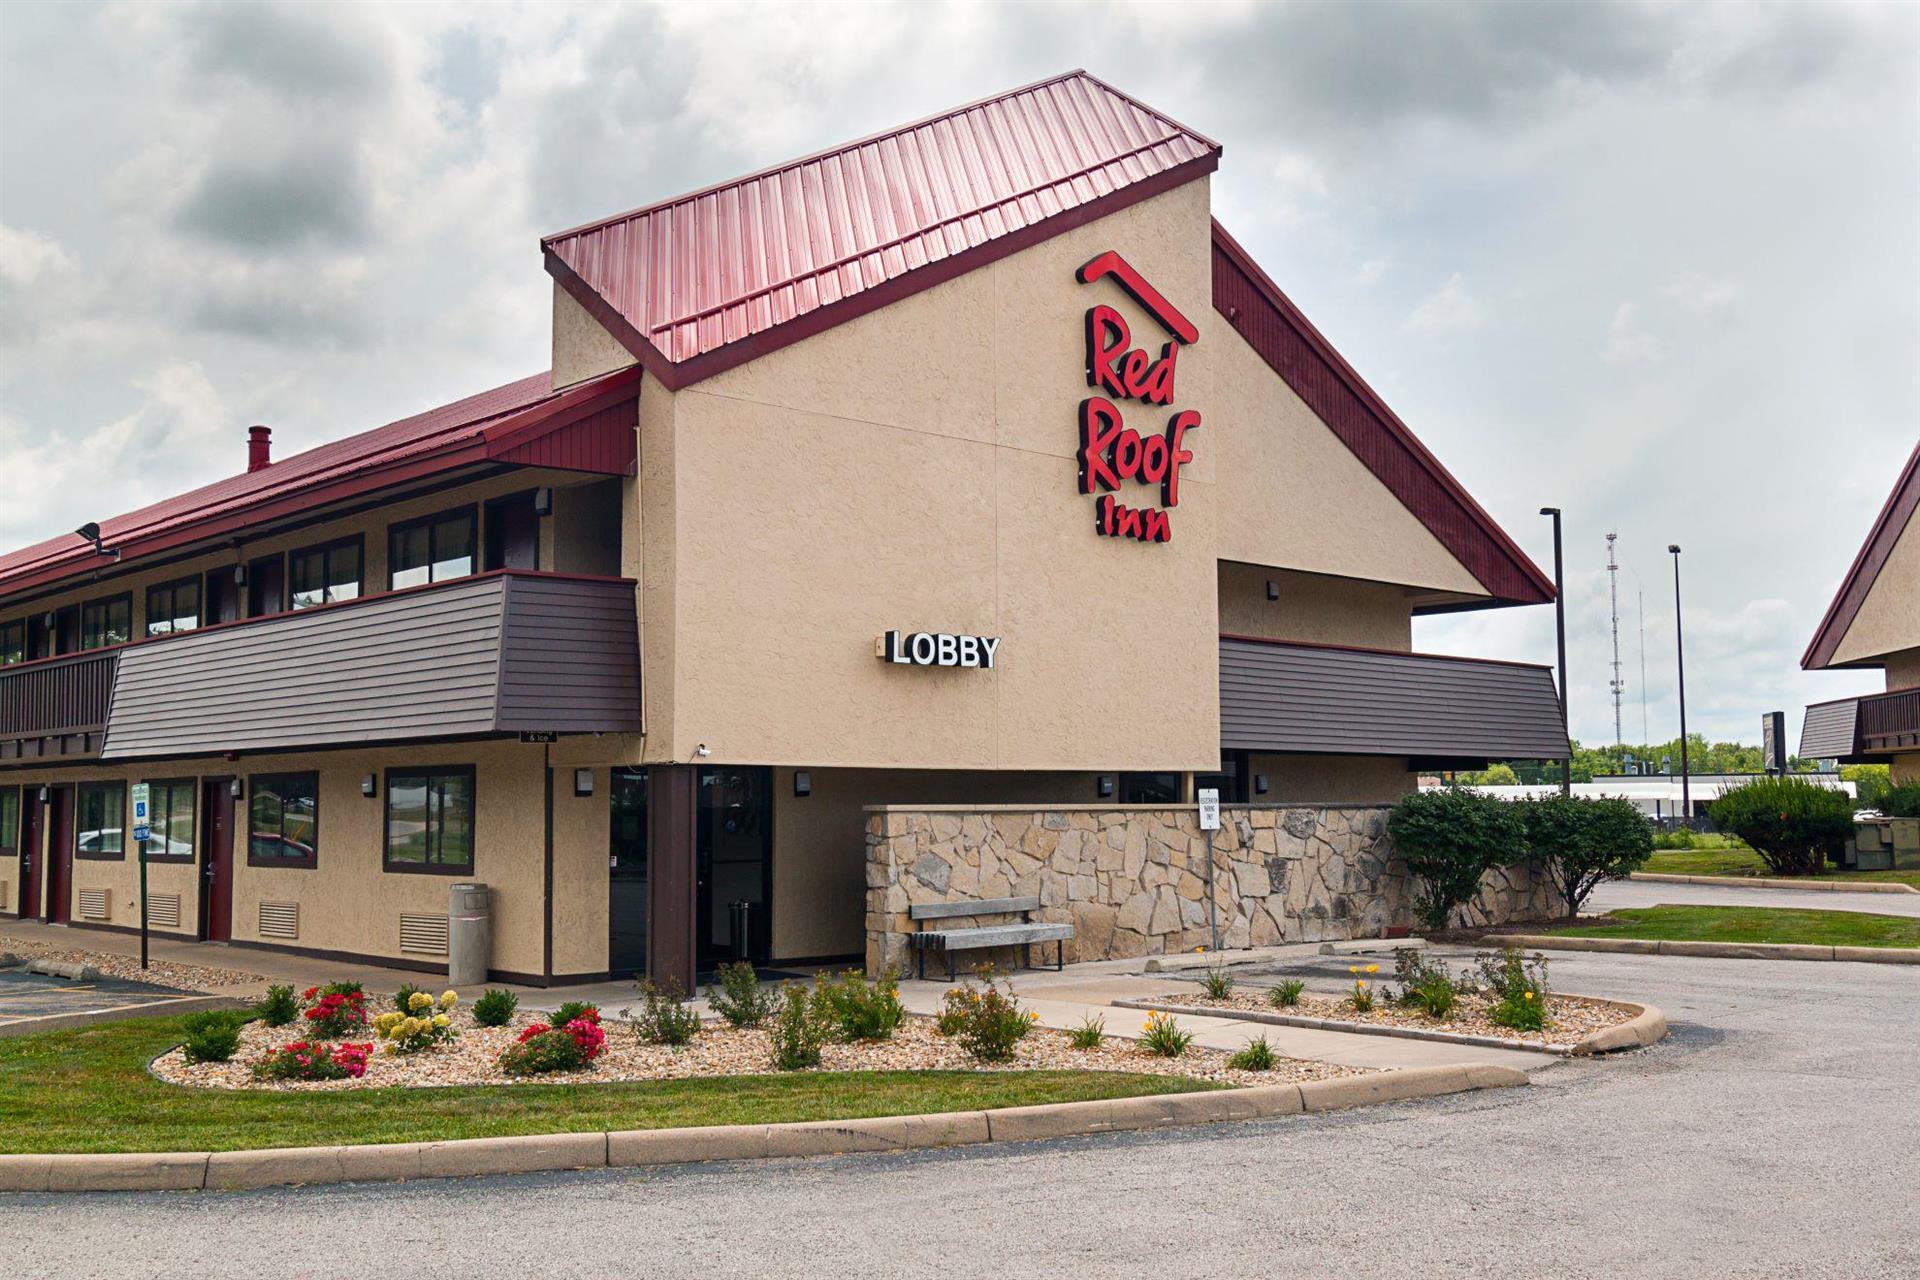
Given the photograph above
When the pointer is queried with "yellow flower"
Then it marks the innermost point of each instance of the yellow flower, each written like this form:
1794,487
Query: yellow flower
441,1021
1032,1016
1529,995
448,999
419,1000
1373,968
1353,968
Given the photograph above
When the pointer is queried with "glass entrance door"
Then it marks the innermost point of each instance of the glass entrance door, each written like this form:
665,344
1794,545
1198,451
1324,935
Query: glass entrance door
735,835
627,874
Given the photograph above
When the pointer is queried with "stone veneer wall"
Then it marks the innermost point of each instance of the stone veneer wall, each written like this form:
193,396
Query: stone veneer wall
1131,879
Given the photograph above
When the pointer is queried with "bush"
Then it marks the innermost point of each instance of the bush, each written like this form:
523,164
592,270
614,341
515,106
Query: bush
990,1023
857,1009
1450,838
214,1034
1426,986
1163,1037
575,1010
1091,1033
1219,984
335,1010
1256,1055
312,1060
403,998
1582,842
1679,838
797,1031
1285,994
278,1007
1902,801
543,1050
1794,825
1517,990
428,1023
1362,997
740,998
665,1017
495,1007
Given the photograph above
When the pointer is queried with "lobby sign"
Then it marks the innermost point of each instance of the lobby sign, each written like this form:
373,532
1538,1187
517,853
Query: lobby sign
938,649
1111,452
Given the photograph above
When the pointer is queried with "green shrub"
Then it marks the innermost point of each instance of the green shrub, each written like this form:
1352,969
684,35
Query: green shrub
1256,1055
1794,825
1450,838
544,1053
278,1007
1218,983
1286,993
1424,985
214,1034
495,1007
403,998
665,1017
857,1009
797,1031
740,998
991,1022
1902,801
1163,1037
1679,838
574,1010
1582,841
1091,1033
1516,989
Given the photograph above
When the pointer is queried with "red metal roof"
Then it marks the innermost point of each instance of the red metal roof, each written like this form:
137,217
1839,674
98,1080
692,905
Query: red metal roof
521,422
698,283
1900,507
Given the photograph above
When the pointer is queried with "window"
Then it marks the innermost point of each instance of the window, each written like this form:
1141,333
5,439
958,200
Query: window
325,574
105,622
9,821
170,821
431,550
1150,788
283,819
430,820
13,643
173,606
102,834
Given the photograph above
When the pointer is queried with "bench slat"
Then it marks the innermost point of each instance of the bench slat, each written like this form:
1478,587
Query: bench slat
999,935
984,907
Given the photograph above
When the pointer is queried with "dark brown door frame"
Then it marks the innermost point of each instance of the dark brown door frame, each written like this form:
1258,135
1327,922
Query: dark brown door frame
61,827
215,793
673,794
33,851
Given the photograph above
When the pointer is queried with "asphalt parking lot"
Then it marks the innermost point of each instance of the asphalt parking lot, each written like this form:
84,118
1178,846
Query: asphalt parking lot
34,995
1776,1133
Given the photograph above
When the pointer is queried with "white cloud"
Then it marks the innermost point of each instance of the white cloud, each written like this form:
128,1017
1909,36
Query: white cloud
25,256
1699,292
1450,310
1372,271
1627,342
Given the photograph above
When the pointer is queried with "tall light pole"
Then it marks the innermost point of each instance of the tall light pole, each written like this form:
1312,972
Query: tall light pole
1560,625
1680,655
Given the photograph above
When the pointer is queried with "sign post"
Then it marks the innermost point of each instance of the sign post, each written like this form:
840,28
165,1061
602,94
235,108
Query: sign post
1209,798
142,828
1773,742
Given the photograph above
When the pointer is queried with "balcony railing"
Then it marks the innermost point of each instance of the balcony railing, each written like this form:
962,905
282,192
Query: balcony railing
1890,721
56,707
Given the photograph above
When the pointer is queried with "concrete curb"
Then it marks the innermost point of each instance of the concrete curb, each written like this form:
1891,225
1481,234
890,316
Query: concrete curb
115,1013
1181,961
1647,1026
541,1153
1714,950
1771,882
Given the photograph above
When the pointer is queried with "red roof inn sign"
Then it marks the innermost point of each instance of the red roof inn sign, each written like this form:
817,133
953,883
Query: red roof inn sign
1110,451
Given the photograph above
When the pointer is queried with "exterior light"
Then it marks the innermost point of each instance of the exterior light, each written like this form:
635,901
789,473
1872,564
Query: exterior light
370,785
802,782
1259,784
1273,589
543,502
1103,786
237,789
91,532
703,751
583,782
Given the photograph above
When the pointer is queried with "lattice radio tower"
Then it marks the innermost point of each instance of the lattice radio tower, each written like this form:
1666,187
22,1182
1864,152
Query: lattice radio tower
1618,685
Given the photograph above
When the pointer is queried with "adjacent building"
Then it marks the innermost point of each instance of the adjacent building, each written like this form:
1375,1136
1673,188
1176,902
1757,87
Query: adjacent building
970,463
1874,621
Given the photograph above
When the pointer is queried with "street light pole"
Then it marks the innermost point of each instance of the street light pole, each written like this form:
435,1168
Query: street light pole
1680,655
1560,625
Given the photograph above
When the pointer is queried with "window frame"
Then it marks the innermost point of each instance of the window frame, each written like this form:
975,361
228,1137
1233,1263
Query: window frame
311,860
10,844
18,625
387,864
290,591
192,580
80,791
192,786
470,510
103,603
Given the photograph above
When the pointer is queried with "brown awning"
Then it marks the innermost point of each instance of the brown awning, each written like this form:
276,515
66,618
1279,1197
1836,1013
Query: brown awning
1862,730
1323,699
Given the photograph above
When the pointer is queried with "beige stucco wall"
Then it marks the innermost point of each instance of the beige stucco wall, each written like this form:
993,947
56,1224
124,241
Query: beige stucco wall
581,826
1903,669
1333,779
1889,618
581,348
1314,608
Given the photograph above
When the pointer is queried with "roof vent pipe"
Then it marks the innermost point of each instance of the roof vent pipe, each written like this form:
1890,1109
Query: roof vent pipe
259,448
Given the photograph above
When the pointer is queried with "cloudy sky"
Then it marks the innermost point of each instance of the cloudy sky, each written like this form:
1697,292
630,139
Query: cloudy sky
1656,264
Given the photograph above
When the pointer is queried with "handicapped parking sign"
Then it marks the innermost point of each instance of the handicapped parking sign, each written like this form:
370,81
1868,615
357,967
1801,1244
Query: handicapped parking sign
142,827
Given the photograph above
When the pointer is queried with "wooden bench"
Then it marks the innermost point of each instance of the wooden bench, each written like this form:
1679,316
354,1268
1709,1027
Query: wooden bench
1022,935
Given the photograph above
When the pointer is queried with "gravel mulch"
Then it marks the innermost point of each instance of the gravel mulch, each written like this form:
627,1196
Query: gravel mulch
1571,1018
161,973
719,1050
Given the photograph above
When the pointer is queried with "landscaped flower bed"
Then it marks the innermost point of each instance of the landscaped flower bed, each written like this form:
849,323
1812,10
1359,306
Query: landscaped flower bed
473,1056
1571,1018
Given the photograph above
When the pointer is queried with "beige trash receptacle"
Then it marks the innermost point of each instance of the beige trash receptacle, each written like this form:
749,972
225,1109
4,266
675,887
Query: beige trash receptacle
469,934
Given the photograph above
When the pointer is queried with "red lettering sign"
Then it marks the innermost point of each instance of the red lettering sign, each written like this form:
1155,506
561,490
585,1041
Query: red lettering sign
1111,452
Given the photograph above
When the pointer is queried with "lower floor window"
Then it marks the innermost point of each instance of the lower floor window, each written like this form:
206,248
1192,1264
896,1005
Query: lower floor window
283,819
170,821
102,833
430,819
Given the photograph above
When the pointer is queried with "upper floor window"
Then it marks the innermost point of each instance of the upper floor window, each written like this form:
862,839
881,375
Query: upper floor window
325,574
13,642
105,622
431,550
173,606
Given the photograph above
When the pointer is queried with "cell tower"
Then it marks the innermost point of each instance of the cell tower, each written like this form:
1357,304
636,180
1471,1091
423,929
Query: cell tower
1618,685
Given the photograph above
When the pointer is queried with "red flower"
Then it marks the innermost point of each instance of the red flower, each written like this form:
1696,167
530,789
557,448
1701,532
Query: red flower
537,1029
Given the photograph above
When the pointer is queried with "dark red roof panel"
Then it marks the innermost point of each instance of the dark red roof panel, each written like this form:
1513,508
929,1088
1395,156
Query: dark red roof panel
685,278
1899,509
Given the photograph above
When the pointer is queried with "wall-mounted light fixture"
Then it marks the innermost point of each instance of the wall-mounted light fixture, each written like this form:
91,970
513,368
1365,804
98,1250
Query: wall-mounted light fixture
1259,784
703,751
583,782
1103,786
240,575
802,782
370,785
46,793
237,789
543,502
91,532
1273,589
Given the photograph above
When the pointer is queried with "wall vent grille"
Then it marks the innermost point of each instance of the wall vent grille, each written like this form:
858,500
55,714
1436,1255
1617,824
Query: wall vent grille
423,935
163,910
96,904
280,920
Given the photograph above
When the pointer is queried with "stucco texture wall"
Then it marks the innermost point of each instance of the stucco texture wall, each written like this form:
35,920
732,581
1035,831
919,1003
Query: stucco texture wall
1889,618
1314,607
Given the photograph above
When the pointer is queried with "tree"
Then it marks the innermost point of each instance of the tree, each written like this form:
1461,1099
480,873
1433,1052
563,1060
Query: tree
1450,838
1581,842
1494,775
1872,780
1794,825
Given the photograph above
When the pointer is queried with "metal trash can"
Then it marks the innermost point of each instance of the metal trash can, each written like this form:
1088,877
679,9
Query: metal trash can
469,934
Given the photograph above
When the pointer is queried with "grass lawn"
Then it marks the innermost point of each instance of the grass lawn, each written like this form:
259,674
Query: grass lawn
89,1090
1752,924
1737,859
